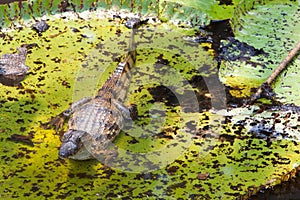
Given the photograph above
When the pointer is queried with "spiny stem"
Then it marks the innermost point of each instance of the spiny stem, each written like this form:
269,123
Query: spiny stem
277,71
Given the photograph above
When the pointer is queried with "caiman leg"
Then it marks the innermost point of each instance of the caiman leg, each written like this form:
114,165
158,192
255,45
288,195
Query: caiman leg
58,121
75,106
129,113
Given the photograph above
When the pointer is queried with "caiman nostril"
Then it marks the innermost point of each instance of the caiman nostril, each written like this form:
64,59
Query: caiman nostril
62,154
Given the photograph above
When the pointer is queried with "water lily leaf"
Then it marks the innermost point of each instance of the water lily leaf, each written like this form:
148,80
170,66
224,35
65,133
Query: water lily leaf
73,57
164,10
216,10
176,149
272,29
193,13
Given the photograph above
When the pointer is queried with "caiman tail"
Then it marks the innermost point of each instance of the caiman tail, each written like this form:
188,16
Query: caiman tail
117,84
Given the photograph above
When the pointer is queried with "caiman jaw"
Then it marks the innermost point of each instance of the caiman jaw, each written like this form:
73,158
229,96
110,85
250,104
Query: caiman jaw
71,143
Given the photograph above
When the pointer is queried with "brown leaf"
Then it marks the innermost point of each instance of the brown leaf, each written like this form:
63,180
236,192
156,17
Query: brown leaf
203,176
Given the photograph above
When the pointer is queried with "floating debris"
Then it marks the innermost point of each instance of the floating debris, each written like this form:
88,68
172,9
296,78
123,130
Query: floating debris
13,68
135,22
203,176
26,139
40,26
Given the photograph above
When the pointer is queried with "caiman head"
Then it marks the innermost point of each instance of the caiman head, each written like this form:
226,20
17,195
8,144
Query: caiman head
71,143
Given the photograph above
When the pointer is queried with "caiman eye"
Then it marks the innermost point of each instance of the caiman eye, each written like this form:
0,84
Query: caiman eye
67,136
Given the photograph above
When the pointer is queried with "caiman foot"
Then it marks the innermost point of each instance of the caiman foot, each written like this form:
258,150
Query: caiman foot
133,111
130,112
57,122
130,116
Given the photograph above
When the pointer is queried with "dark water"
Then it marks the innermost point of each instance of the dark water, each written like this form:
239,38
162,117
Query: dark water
289,190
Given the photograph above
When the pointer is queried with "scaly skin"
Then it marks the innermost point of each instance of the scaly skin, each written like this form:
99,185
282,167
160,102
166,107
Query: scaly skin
95,122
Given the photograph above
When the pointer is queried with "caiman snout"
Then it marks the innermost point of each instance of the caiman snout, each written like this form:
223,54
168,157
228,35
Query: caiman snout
68,149
71,143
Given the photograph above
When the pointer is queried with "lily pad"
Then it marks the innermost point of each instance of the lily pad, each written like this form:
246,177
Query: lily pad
271,27
73,57
176,149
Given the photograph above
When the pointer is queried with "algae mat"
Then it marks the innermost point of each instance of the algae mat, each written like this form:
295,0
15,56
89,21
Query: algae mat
174,151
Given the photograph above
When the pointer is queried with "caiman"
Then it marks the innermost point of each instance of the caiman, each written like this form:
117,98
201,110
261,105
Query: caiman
95,122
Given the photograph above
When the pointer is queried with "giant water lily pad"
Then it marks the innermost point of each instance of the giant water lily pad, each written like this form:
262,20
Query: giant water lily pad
272,28
176,149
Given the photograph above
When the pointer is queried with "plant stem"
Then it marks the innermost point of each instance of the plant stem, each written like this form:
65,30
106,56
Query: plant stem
277,71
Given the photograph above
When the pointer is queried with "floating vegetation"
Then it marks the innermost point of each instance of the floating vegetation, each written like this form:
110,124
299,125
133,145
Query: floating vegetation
272,28
177,148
